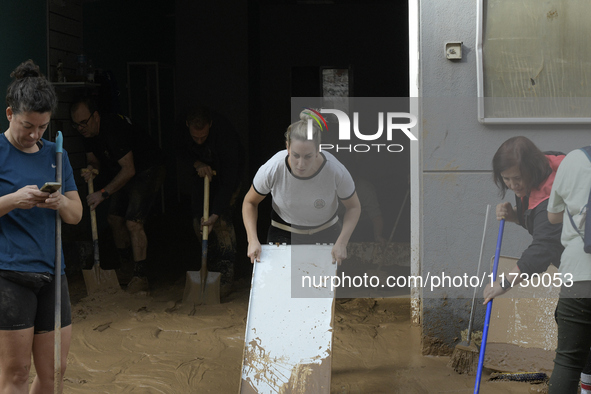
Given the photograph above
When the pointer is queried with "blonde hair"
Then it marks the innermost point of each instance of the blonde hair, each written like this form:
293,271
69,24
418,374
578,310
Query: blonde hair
299,130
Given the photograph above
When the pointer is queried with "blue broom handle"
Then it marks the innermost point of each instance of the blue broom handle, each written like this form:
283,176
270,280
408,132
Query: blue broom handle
488,310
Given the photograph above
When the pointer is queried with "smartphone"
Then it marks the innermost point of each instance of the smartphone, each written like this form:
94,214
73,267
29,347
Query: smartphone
51,187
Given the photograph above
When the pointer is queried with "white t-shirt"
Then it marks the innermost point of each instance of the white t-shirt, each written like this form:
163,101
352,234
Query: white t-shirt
571,189
310,201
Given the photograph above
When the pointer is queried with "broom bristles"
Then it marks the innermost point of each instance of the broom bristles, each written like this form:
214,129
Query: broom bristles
530,377
464,359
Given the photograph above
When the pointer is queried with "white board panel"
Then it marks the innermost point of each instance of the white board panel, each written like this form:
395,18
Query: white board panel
288,341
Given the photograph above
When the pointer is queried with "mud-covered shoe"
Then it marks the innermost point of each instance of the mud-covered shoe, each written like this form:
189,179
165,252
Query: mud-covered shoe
138,284
124,274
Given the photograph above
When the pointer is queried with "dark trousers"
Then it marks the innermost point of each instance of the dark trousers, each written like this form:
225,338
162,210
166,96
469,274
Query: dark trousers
573,316
221,248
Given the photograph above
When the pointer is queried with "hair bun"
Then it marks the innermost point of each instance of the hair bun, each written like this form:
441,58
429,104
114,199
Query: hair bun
306,115
25,70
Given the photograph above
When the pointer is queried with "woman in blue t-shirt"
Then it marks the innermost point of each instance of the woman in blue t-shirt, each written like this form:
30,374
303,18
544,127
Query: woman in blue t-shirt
27,235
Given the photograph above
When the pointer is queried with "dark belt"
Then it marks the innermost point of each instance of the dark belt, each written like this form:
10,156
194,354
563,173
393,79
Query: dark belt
308,231
31,280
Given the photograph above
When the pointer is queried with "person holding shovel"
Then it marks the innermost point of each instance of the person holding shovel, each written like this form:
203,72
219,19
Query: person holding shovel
136,166
28,236
215,146
519,165
306,186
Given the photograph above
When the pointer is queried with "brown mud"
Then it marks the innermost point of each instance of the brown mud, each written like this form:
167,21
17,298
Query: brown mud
125,343
146,344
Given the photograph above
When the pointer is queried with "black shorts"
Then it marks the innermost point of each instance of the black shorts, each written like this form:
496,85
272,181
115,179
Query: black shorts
25,307
134,200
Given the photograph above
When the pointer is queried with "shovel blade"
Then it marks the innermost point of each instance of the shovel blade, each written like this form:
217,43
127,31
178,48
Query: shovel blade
196,294
98,280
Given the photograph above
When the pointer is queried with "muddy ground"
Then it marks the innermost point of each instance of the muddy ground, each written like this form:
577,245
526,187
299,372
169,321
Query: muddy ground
144,344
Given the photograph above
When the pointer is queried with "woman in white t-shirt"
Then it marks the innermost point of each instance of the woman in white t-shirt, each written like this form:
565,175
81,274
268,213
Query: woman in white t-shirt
306,185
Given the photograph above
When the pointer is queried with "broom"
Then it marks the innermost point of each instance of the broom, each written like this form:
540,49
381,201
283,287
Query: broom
465,356
488,311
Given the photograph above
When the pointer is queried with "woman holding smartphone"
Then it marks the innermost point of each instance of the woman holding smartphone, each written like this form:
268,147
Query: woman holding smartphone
27,236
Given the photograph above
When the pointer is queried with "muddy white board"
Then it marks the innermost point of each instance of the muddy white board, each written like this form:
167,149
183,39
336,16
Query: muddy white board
525,315
288,340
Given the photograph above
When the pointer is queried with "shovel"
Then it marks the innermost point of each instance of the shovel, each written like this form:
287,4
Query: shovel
203,287
97,279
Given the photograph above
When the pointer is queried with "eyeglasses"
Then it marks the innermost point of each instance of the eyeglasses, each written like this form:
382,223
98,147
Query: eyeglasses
82,124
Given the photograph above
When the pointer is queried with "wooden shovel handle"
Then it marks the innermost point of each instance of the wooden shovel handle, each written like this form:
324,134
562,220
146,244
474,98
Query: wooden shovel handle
92,212
205,206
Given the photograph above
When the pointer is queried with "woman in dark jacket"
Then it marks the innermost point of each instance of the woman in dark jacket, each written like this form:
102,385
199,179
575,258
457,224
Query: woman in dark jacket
520,166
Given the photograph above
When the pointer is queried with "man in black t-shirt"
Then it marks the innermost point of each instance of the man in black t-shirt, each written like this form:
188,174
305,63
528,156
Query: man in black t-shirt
114,145
214,145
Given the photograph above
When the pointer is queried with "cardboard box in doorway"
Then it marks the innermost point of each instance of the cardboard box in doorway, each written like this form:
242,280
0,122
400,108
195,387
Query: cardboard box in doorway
524,316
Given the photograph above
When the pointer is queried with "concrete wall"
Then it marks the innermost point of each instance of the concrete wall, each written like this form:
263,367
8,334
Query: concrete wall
456,153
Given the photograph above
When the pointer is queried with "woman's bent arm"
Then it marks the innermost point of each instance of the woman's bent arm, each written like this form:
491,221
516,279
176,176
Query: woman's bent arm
250,210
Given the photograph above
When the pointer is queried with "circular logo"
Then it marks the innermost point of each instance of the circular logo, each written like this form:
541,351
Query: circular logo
319,203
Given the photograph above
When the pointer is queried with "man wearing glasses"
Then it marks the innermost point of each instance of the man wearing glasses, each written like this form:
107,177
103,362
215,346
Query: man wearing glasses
135,165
